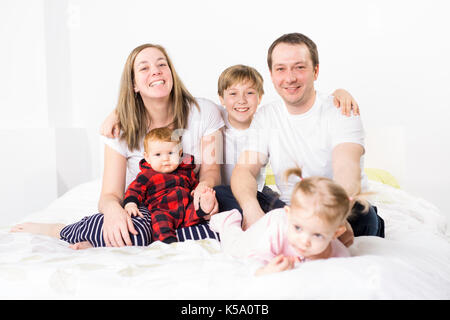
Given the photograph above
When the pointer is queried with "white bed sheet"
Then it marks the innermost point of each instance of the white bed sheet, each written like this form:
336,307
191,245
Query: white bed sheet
412,262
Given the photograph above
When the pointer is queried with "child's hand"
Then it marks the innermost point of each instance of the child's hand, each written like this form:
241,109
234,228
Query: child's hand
345,101
197,192
132,209
277,264
208,202
348,236
110,127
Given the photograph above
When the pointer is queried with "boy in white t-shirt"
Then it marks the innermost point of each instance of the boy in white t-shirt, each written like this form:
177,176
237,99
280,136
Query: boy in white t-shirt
240,90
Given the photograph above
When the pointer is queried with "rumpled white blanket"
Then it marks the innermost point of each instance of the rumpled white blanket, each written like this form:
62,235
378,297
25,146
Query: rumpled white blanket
412,262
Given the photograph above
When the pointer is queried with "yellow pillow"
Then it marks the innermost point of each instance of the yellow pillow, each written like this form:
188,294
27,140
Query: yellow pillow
374,174
381,176
270,177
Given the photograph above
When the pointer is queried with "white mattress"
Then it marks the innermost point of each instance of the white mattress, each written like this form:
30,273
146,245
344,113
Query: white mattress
412,262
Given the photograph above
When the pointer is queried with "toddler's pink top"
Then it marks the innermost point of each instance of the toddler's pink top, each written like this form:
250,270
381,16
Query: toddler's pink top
274,241
267,238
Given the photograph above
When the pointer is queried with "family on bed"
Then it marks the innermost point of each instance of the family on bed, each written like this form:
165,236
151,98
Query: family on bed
166,149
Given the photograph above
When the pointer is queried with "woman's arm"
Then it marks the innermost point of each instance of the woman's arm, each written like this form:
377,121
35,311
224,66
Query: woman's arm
209,175
117,223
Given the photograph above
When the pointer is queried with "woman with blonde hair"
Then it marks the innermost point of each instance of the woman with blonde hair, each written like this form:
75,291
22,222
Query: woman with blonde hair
151,96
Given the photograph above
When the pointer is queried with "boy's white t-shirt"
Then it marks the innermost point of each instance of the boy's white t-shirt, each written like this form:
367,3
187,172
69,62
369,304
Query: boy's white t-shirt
200,123
305,140
234,140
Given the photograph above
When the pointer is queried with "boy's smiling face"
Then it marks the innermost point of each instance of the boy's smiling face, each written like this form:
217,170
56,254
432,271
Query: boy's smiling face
240,100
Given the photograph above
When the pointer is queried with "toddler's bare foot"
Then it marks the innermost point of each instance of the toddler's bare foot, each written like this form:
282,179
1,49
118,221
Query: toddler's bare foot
208,200
46,229
81,245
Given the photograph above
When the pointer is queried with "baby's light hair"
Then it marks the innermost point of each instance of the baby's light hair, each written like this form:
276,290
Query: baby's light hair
240,74
163,134
331,202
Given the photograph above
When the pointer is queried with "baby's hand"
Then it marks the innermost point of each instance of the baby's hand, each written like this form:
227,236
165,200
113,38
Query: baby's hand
208,201
132,210
277,264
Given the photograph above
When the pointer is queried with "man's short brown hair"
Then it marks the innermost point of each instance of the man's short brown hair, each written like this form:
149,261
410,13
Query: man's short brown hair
295,38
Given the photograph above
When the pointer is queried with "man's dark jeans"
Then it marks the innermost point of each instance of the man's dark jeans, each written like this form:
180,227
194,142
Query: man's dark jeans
363,223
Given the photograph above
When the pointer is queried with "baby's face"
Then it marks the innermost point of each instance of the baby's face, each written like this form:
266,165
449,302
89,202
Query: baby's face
308,233
241,101
163,156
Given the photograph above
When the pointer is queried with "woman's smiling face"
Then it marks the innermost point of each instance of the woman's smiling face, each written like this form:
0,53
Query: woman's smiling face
152,74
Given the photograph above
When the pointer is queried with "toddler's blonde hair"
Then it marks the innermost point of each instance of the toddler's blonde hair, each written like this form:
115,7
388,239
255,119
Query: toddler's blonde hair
163,134
331,202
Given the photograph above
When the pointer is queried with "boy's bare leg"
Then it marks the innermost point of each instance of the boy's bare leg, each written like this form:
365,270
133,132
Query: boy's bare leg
208,200
46,229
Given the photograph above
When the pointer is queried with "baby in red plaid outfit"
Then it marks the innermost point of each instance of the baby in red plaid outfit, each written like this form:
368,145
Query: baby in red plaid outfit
165,184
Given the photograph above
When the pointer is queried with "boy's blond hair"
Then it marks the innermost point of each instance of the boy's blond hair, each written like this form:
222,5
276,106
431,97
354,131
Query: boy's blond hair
331,201
239,74
163,134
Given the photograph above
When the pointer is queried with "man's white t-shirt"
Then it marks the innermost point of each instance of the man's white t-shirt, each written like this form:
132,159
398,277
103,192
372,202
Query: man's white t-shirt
234,141
201,123
305,140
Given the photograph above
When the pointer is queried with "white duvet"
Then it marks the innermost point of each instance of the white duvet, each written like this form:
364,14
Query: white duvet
412,262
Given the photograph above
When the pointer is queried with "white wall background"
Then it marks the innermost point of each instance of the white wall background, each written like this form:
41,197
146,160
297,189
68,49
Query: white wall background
61,62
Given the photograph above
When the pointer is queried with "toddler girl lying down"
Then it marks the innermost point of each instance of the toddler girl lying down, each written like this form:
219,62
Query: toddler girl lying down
306,230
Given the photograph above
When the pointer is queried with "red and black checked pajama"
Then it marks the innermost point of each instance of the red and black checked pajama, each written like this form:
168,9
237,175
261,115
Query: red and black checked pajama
167,197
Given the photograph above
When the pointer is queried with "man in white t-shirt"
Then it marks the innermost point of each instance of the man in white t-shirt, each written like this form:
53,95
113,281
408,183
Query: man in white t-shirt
304,130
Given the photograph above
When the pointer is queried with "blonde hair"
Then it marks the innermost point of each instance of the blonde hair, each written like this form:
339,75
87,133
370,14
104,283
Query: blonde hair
163,134
238,74
330,200
133,116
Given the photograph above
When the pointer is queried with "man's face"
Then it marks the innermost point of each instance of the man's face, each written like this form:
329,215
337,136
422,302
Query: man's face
293,74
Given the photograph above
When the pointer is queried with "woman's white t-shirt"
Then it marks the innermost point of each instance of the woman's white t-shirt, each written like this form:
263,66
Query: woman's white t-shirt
201,123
